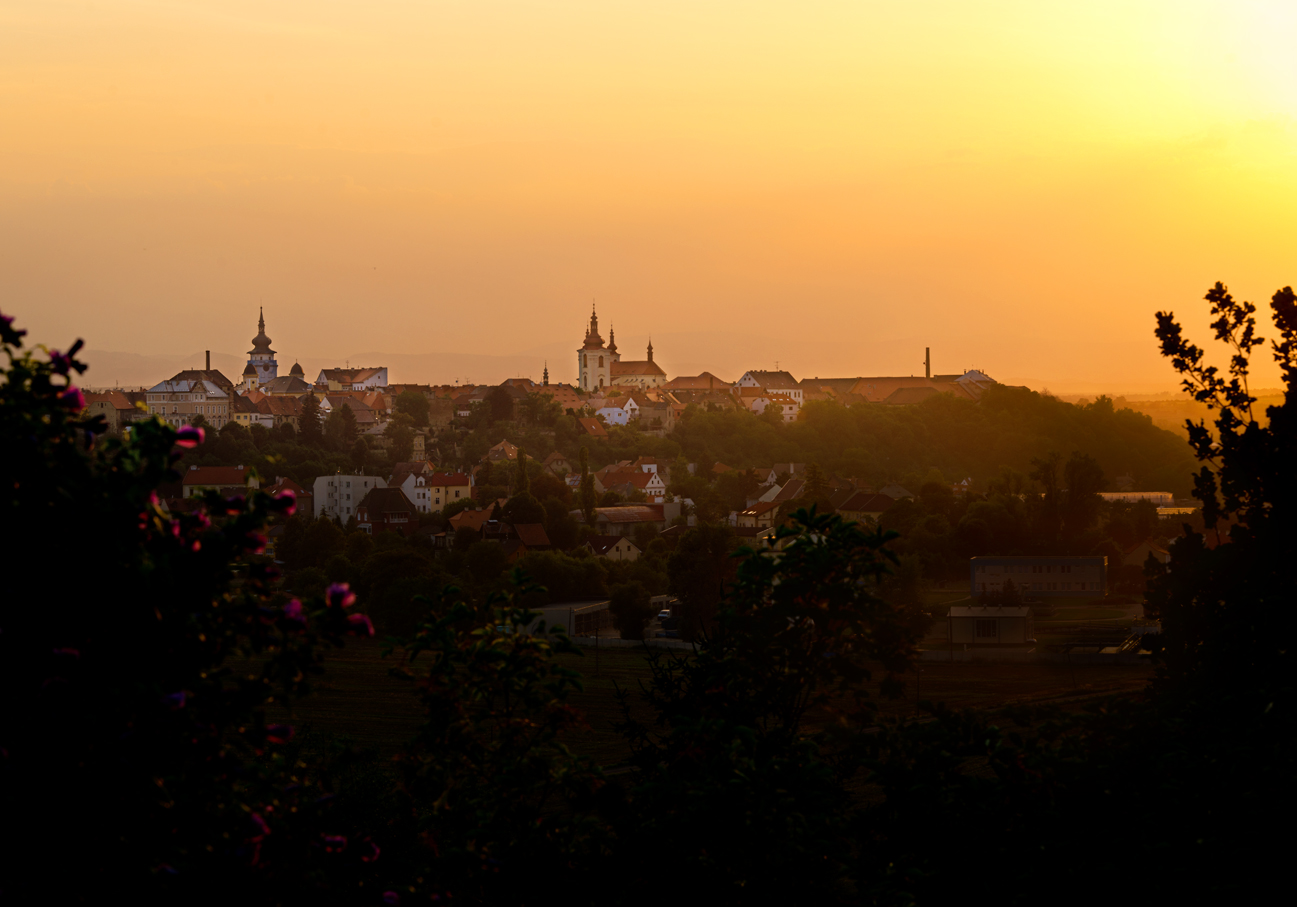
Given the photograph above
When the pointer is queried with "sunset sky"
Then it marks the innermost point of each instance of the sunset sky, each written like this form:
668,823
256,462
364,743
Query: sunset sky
830,185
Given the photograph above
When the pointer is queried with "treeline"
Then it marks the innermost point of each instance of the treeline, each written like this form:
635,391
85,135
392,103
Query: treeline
140,666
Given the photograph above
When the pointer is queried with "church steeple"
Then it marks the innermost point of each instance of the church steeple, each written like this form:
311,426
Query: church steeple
546,377
612,340
650,350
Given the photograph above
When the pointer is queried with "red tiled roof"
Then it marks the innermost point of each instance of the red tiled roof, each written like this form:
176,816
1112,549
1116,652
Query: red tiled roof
593,427
532,535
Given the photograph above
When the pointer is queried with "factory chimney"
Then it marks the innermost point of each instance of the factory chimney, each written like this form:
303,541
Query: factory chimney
927,362
209,360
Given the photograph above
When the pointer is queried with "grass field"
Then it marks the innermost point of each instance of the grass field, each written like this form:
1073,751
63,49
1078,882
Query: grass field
357,698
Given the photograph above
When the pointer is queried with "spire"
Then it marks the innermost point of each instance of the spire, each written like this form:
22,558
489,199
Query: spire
612,340
261,319
650,349
546,378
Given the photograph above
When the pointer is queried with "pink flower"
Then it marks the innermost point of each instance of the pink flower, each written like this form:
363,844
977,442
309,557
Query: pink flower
335,843
358,621
260,826
258,542
287,500
279,733
72,398
293,611
340,595
189,436
373,852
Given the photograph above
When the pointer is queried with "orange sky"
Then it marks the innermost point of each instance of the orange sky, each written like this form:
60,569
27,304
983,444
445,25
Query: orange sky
833,186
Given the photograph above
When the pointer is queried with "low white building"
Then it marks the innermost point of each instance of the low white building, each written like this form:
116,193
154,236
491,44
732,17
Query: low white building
339,496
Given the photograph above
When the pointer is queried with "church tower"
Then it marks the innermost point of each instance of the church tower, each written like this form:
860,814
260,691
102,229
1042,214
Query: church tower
594,360
261,358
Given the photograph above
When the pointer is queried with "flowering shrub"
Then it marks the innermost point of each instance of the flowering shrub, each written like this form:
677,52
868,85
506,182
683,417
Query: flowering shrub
149,755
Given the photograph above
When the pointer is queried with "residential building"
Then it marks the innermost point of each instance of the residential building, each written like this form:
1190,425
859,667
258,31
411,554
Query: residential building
624,519
442,488
386,510
502,451
593,427
558,464
612,547
338,496
411,477
228,480
1076,577
533,536
706,382
246,413
779,382
281,410
863,507
116,408
180,399
352,379
759,516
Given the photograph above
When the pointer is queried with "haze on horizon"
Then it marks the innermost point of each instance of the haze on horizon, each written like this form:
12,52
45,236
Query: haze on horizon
833,186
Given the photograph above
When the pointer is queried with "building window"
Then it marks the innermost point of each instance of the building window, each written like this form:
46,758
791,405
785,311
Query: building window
986,629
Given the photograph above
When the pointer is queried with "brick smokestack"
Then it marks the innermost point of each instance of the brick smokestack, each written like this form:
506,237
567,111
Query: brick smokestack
209,360
927,362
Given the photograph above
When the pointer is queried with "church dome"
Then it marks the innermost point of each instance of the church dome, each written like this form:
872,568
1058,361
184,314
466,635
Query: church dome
261,343
296,370
249,369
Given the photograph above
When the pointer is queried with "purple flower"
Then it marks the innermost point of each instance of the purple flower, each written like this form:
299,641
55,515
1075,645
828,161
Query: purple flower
340,595
261,827
287,500
72,398
391,897
293,611
373,852
279,733
8,333
61,363
175,700
189,436
335,843
359,621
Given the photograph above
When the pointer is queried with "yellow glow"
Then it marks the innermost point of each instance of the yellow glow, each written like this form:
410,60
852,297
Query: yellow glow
1018,185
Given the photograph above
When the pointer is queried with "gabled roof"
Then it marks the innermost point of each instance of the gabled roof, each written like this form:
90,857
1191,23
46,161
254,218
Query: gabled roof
242,404
636,367
907,396
206,374
280,406
602,544
792,489
704,382
115,399
403,471
760,508
532,535
286,384
349,375
593,427
772,380
381,501
472,519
